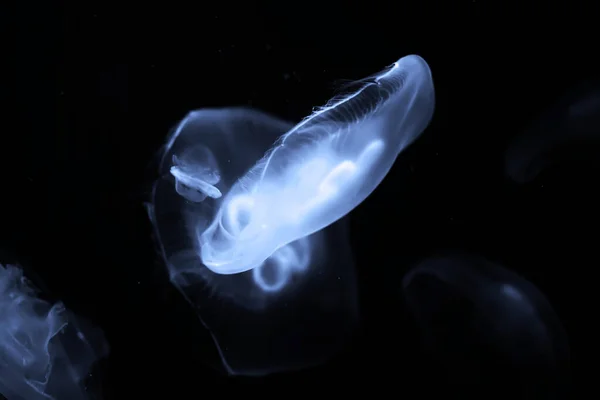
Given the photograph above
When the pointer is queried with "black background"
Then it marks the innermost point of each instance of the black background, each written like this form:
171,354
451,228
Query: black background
92,91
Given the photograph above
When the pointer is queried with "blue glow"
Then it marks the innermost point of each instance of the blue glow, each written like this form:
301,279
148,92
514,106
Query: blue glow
319,170
44,354
248,207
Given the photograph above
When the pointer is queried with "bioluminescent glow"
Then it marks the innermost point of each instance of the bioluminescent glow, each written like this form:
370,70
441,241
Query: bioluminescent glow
319,170
44,353
472,311
294,310
243,202
568,132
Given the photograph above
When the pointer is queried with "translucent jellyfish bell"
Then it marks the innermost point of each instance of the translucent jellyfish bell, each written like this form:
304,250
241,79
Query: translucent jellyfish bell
320,169
473,313
295,309
568,132
250,207
46,353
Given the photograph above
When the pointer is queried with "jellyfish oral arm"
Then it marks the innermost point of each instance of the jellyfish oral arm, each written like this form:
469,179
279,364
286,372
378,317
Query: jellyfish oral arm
313,174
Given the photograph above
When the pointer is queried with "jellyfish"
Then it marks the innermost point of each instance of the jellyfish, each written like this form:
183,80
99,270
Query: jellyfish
568,132
46,352
482,323
250,215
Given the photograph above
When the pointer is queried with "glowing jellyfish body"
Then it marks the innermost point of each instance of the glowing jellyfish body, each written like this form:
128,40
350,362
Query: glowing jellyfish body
44,353
294,310
320,169
473,312
245,221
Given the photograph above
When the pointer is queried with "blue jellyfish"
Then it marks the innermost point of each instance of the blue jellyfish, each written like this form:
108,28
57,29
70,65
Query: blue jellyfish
249,215
46,352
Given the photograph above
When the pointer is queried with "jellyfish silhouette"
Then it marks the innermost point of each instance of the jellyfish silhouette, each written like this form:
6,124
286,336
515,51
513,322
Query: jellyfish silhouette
249,215
46,352
568,132
484,324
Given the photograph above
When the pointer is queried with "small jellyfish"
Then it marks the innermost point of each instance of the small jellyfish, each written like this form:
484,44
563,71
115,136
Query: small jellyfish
486,324
250,215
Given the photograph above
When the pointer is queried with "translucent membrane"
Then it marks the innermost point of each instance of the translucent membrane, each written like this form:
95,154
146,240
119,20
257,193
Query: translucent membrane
248,207
45,352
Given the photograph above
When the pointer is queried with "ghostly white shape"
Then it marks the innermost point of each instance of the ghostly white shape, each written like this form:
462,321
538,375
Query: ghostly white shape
321,169
44,352
250,250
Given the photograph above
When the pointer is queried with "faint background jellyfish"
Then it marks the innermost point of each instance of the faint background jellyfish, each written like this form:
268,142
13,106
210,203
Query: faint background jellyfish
45,351
555,164
567,133
249,214
484,324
